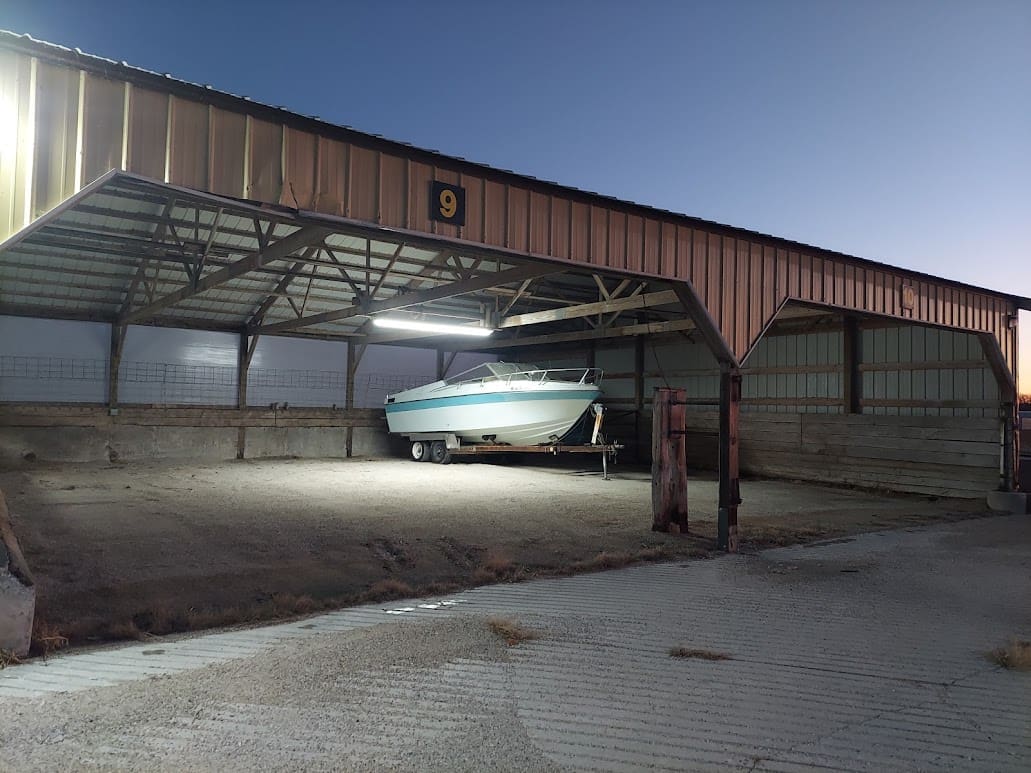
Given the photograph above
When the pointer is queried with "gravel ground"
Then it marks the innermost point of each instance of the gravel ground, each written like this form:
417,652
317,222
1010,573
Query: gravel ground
157,547
308,708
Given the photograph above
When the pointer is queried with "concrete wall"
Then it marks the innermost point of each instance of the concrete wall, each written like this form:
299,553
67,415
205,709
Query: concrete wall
17,590
69,433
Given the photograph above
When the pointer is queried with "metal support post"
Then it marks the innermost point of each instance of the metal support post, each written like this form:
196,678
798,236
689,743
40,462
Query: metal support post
730,493
352,368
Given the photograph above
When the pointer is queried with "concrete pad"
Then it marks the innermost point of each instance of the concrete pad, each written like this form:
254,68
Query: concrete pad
1008,501
865,654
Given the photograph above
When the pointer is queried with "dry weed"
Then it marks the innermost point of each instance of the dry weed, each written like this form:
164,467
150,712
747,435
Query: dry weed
686,652
512,632
389,589
8,658
46,638
1016,655
497,568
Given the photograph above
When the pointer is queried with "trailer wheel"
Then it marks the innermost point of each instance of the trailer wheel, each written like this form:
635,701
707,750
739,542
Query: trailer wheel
420,451
439,453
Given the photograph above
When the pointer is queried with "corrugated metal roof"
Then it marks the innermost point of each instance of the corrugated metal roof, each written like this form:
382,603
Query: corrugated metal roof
126,233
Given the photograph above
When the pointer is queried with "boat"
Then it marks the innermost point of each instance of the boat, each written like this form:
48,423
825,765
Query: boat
499,403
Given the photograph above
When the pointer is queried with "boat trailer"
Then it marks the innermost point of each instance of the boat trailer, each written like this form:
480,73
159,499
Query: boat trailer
441,447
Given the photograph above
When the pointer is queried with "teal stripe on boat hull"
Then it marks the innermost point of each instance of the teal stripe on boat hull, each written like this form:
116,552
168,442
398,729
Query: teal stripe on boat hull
492,397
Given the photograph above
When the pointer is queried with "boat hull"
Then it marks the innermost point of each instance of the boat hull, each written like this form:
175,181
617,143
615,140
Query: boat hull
521,417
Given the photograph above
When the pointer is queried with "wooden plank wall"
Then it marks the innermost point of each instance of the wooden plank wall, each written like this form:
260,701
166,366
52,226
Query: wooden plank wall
921,454
930,408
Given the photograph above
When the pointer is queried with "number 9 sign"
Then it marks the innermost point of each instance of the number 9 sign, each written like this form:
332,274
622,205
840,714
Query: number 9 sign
447,203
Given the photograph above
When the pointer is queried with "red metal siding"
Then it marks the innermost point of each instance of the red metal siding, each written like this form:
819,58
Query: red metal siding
103,119
265,164
188,146
227,152
300,169
540,225
148,132
561,234
363,184
331,197
615,256
495,213
393,190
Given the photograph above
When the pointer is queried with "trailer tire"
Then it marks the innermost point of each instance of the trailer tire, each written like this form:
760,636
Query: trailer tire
439,453
420,451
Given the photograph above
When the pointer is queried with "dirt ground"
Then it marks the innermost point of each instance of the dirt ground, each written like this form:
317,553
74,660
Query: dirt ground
122,549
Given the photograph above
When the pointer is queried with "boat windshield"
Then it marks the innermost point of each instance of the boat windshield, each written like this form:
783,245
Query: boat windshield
513,371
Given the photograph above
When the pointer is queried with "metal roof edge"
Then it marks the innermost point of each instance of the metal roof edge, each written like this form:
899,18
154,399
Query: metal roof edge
44,49
298,216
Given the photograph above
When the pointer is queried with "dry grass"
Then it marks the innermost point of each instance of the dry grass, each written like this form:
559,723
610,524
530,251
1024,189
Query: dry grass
700,654
389,589
46,638
512,632
496,568
1016,655
8,659
167,618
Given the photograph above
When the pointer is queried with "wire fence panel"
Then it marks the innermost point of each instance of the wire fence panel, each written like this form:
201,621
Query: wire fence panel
315,388
371,389
176,384
67,379
52,379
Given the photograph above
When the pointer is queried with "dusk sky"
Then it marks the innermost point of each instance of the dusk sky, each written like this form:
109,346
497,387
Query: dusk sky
897,131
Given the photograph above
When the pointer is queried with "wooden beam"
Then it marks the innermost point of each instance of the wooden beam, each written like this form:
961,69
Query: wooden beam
643,328
243,361
114,364
353,358
278,250
647,300
482,282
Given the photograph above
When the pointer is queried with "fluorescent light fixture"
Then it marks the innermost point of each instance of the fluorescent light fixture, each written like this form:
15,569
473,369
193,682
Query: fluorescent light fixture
432,327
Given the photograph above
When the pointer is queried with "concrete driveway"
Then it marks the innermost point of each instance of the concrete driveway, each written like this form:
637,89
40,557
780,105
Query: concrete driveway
865,653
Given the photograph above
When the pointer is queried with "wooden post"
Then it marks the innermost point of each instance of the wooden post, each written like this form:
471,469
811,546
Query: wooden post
440,364
1009,445
243,364
1007,409
730,492
852,378
113,365
669,461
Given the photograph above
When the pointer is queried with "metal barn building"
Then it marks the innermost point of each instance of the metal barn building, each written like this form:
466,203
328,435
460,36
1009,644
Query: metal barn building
133,203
